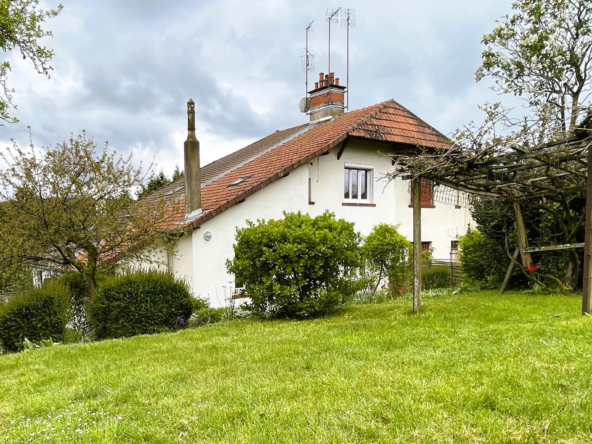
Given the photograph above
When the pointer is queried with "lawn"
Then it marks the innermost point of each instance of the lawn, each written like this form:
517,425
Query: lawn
472,368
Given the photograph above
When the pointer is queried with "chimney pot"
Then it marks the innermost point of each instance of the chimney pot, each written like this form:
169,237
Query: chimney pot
321,77
316,85
337,81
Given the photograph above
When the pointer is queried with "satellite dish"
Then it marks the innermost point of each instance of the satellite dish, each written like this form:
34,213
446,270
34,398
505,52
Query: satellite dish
304,105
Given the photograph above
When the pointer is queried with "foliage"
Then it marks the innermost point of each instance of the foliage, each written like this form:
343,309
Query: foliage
68,206
178,174
388,255
297,266
460,373
137,303
155,182
28,345
36,315
482,259
543,53
206,315
436,277
20,29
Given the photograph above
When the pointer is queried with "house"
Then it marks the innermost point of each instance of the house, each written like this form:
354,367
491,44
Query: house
336,162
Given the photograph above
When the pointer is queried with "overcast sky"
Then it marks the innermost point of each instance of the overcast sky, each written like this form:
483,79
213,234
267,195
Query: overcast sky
124,70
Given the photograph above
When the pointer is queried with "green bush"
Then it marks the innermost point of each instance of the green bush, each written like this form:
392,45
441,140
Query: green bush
482,259
297,266
436,277
36,315
137,303
388,255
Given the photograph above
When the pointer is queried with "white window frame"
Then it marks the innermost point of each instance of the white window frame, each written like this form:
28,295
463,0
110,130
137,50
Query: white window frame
369,185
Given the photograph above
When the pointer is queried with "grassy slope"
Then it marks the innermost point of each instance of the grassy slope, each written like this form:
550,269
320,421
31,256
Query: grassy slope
472,368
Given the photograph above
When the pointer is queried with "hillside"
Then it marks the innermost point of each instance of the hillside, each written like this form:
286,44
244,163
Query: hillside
472,368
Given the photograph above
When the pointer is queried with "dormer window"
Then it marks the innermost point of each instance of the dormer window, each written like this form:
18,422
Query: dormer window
357,183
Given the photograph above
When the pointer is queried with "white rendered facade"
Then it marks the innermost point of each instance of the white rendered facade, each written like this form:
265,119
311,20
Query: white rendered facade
203,262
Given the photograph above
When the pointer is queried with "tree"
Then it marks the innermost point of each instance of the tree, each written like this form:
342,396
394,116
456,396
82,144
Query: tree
68,207
178,174
155,182
20,29
388,254
543,53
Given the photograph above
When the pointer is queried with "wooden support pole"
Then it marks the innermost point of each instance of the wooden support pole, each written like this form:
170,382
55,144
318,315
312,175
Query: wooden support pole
509,272
416,245
521,234
587,293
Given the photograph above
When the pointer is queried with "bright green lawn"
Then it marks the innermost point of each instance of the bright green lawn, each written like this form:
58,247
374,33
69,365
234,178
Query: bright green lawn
472,368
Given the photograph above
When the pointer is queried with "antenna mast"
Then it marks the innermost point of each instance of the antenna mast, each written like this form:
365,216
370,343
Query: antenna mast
347,22
331,19
307,56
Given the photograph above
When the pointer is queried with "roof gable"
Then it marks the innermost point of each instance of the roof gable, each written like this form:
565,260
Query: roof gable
276,155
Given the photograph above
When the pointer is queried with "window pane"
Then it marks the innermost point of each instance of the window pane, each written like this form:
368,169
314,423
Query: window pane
346,184
364,184
354,181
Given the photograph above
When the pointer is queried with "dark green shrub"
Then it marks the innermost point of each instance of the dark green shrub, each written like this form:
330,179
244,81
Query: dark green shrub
388,256
140,303
198,304
436,277
297,266
482,259
36,315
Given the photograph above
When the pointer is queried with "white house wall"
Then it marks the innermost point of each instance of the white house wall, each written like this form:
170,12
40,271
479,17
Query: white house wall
203,263
210,279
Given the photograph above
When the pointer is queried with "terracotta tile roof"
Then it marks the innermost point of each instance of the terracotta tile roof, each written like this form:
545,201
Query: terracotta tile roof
275,156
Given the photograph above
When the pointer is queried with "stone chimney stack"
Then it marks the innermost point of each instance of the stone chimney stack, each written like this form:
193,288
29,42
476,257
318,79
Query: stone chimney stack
192,166
327,97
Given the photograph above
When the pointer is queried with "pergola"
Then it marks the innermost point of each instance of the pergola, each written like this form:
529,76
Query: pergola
560,166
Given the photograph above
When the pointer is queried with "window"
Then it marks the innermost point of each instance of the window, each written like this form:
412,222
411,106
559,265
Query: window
425,246
427,195
357,183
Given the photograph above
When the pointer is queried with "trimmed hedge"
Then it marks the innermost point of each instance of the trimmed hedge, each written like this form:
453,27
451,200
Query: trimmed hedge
138,303
436,277
36,315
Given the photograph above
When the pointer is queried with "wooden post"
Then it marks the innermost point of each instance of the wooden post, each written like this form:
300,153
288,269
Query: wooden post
586,295
416,244
509,272
521,234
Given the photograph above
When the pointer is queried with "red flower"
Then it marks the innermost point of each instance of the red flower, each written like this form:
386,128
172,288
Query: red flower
400,290
532,268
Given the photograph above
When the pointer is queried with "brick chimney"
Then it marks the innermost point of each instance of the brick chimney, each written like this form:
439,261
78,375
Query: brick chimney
192,166
327,97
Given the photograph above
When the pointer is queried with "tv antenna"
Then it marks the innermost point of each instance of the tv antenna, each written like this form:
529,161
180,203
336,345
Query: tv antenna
331,19
347,21
307,56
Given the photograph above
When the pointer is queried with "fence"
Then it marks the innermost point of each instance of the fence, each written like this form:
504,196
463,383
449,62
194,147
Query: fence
454,267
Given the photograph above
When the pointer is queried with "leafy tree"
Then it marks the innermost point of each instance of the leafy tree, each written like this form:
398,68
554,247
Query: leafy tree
543,53
68,207
20,29
298,266
388,254
155,182
178,174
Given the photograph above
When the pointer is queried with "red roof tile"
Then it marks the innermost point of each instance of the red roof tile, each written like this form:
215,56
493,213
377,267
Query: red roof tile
273,157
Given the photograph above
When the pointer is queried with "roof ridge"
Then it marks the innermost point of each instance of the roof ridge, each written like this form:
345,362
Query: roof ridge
380,107
420,119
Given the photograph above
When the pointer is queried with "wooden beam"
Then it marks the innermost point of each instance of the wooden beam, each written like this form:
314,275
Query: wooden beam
521,235
509,272
554,247
587,293
342,149
417,253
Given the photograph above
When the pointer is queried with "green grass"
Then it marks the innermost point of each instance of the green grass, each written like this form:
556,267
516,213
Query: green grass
476,368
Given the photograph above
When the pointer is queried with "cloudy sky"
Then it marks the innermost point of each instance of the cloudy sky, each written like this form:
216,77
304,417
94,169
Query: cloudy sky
124,70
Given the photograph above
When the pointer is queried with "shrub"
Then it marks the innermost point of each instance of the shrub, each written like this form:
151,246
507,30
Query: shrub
436,277
36,315
482,259
297,266
388,255
140,303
